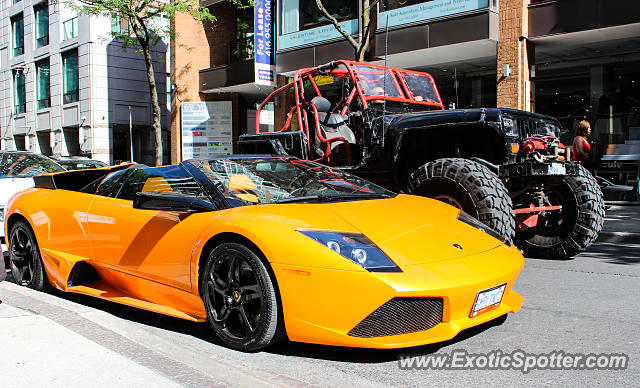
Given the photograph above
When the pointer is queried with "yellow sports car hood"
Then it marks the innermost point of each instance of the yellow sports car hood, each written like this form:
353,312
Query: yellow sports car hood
414,230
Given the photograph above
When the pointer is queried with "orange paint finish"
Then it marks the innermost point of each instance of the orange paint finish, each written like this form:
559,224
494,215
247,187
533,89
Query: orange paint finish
150,259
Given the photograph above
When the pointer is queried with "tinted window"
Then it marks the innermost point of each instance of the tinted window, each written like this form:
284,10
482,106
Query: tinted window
112,183
26,165
173,179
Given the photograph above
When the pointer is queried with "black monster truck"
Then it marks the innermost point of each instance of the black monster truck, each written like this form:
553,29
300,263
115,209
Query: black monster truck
505,167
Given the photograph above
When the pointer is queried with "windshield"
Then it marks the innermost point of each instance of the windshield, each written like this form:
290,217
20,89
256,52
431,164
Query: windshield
272,180
375,81
17,165
421,87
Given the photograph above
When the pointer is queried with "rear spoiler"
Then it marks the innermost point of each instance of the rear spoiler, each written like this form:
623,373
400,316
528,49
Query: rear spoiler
75,180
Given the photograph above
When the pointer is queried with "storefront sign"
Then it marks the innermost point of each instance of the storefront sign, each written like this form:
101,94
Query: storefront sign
265,56
207,129
428,10
315,35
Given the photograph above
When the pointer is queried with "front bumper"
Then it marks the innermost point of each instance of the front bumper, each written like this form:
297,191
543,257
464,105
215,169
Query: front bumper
323,306
530,167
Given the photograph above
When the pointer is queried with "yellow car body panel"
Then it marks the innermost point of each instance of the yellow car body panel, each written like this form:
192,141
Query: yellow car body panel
150,259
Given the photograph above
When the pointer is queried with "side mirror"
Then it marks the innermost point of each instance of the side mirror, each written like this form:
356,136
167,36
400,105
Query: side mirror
171,202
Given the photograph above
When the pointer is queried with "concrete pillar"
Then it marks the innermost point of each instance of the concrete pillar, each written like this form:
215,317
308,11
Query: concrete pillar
514,50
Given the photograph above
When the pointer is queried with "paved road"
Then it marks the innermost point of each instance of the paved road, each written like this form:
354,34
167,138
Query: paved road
587,305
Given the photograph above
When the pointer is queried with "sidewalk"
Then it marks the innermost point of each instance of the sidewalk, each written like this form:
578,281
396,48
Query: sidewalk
621,225
50,341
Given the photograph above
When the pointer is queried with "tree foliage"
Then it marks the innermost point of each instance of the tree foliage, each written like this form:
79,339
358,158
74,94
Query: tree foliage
362,46
142,32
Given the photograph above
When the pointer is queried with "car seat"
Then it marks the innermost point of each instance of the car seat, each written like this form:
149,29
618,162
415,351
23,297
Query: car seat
331,125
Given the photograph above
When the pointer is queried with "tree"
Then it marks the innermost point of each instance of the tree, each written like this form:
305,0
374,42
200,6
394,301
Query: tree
363,47
144,32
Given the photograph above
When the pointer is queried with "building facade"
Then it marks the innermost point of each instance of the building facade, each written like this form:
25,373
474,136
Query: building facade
566,58
69,89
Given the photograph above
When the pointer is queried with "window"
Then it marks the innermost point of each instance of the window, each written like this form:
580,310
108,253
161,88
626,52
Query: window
298,15
43,91
17,28
110,186
242,47
393,4
70,76
168,92
15,1
26,165
42,24
171,179
70,28
119,25
19,95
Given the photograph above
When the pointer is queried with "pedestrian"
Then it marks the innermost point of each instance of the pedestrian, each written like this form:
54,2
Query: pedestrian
583,149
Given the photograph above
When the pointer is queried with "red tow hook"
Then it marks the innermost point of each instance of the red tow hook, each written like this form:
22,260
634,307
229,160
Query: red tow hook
528,216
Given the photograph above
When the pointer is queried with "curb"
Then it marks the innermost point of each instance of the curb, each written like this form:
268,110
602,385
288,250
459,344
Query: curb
619,237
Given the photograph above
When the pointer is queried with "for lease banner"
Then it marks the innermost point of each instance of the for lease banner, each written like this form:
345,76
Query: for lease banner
265,57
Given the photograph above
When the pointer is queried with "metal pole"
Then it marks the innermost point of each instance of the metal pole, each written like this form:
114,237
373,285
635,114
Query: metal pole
131,132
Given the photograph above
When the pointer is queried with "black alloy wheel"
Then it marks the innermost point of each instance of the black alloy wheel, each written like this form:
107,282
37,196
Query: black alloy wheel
24,258
240,298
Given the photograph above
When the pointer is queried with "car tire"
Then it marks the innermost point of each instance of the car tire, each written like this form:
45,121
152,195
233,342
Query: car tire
24,258
469,186
241,298
582,219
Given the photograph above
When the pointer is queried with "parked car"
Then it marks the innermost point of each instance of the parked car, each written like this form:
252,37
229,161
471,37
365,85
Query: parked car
78,162
614,192
17,169
263,248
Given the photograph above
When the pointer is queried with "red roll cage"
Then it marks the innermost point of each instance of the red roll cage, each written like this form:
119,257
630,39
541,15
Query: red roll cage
351,71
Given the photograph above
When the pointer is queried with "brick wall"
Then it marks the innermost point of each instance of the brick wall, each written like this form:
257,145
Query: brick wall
512,91
196,46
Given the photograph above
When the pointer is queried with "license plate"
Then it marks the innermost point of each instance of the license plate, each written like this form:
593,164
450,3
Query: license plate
488,300
557,169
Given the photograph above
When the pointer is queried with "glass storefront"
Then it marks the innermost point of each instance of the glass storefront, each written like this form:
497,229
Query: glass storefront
605,94
465,89
302,23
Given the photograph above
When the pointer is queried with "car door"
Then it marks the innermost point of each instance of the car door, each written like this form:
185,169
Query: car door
148,244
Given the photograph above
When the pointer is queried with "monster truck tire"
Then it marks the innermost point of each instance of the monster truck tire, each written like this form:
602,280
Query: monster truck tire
583,215
469,186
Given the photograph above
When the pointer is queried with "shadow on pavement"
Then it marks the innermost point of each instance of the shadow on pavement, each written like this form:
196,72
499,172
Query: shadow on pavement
369,356
625,254
203,331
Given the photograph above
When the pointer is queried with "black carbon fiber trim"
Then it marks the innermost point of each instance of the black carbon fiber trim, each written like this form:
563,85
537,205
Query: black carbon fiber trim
400,316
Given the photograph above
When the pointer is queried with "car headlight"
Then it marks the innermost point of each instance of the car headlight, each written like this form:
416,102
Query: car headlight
467,219
510,129
355,247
